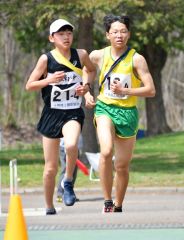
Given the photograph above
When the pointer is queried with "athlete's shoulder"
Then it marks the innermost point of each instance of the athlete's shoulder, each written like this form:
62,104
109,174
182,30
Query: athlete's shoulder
44,56
139,62
82,52
96,55
43,59
138,58
97,52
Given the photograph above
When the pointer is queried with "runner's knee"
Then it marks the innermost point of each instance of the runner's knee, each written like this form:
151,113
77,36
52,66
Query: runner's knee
49,172
71,147
121,168
106,155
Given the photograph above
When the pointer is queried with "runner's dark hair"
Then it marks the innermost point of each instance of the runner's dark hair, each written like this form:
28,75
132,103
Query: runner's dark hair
109,19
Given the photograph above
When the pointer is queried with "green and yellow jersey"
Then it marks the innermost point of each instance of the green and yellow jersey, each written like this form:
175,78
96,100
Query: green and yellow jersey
123,72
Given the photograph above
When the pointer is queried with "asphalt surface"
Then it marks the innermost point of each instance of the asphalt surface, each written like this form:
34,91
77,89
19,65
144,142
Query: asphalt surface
144,208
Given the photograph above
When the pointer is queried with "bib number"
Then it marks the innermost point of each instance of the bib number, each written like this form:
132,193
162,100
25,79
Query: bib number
125,81
65,99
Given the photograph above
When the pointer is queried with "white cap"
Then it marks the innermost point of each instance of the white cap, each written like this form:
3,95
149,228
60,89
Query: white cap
57,24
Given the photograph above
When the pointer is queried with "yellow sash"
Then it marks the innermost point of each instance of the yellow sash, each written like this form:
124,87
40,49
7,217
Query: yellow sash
62,60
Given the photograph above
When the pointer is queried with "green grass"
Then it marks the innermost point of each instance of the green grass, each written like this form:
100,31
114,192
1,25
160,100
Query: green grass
157,161
30,165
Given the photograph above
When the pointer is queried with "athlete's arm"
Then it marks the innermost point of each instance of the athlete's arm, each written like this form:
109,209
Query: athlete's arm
37,81
141,70
89,70
88,76
95,57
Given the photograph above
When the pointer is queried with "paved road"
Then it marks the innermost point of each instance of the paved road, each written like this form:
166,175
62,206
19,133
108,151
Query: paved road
143,209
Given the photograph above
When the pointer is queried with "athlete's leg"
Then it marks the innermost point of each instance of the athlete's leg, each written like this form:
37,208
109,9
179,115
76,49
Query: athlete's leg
123,155
51,155
105,131
71,131
62,158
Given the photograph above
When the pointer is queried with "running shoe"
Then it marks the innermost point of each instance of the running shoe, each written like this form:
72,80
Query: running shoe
50,211
69,195
59,199
60,194
108,206
117,209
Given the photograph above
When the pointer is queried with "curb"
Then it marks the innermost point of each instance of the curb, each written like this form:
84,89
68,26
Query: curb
93,190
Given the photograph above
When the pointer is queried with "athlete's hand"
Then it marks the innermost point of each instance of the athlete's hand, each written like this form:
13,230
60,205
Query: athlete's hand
90,102
81,90
116,87
56,77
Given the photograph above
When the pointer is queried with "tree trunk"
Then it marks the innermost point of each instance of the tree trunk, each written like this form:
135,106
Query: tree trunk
173,88
85,40
10,58
155,111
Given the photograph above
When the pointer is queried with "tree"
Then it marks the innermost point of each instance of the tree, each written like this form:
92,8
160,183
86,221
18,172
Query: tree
10,49
85,40
15,66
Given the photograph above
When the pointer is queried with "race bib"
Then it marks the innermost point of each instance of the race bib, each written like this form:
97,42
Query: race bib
65,99
124,79
70,77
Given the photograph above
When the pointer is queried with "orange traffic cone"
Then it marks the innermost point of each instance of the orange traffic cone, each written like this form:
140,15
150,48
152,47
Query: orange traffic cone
15,226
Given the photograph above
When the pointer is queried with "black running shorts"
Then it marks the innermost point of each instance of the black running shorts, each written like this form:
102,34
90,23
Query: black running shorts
53,120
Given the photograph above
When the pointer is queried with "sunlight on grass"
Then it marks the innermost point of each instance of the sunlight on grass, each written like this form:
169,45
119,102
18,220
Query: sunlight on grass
157,161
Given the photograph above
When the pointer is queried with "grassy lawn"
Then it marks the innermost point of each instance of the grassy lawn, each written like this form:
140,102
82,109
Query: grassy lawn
157,161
